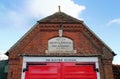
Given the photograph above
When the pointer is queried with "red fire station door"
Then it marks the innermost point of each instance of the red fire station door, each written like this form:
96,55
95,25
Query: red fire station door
60,71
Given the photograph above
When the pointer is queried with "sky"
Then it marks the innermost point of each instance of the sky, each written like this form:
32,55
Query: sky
101,16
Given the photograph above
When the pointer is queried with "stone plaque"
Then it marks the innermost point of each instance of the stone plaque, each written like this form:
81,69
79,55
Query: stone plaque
60,44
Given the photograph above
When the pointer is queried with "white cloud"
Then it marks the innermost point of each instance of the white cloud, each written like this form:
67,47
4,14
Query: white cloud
2,52
39,8
23,13
2,55
117,59
114,21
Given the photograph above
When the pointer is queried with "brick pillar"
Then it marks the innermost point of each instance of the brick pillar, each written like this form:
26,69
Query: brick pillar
108,69
14,71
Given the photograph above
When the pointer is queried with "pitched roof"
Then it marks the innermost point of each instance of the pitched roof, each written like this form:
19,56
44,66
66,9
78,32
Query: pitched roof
60,17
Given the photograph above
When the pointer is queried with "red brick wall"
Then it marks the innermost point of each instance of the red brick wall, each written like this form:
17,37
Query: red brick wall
82,41
36,42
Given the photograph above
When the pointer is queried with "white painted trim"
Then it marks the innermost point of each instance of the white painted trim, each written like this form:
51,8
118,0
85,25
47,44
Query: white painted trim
62,59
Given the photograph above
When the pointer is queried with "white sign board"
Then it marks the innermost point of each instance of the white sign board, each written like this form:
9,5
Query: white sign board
60,44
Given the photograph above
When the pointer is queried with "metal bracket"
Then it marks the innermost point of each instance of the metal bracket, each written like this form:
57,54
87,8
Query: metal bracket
96,69
25,69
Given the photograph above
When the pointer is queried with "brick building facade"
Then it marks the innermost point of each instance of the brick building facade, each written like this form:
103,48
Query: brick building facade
60,38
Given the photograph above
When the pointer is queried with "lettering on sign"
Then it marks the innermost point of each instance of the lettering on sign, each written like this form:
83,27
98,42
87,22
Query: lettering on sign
61,60
60,44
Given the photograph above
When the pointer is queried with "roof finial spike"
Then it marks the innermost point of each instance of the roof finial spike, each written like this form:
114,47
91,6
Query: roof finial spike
59,8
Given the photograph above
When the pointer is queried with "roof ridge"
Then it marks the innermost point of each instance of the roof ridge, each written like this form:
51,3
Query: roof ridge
60,17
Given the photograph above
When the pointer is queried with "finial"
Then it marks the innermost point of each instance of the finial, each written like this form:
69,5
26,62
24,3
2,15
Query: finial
59,8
